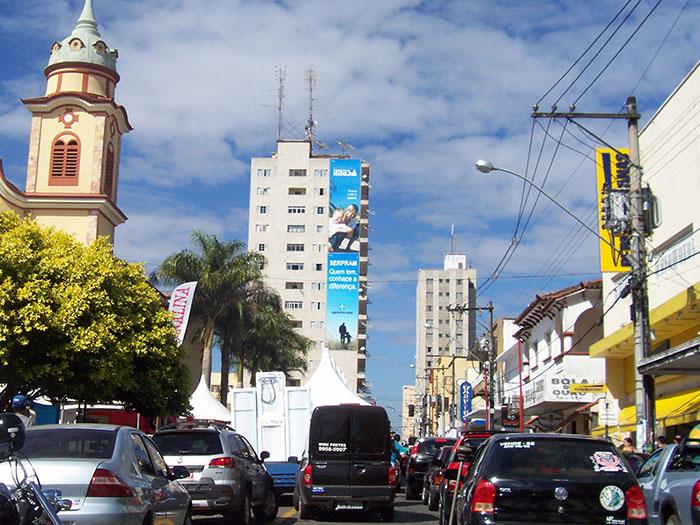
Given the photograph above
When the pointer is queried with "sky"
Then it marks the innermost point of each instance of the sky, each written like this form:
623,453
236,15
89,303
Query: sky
420,89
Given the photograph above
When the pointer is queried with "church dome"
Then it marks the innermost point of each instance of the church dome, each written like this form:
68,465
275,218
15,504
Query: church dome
84,44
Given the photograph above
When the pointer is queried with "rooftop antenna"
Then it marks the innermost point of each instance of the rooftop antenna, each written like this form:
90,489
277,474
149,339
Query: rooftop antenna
344,145
452,238
280,75
311,83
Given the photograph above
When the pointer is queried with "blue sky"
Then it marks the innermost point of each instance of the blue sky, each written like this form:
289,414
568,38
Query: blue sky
420,89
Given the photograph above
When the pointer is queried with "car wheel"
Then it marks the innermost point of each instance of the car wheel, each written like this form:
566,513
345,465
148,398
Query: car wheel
268,510
242,517
433,500
304,510
441,513
188,520
387,514
673,520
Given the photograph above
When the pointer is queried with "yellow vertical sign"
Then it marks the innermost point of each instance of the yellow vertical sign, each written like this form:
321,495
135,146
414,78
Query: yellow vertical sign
613,173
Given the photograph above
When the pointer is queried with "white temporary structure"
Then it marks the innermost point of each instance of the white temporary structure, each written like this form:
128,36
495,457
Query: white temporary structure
328,386
206,406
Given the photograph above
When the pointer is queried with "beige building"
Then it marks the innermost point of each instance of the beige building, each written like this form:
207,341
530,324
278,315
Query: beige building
441,330
289,225
75,139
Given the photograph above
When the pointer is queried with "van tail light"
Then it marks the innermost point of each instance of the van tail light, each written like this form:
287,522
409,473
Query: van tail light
223,462
106,484
392,476
307,478
636,509
414,450
484,497
695,498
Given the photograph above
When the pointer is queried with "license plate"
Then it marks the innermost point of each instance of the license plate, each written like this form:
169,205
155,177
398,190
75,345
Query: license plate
348,506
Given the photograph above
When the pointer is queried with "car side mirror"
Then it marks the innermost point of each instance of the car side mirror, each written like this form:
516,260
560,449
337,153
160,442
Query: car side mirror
463,454
293,459
264,455
179,472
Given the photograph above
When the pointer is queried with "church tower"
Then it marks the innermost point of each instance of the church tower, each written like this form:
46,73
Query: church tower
75,140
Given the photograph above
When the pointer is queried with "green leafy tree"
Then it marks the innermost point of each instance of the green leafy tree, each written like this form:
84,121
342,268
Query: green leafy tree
78,323
225,274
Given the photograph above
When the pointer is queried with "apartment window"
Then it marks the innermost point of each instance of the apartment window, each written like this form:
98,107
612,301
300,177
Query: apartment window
294,285
262,191
295,247
316,305
264,172
320,210
297,173
261,247
319,191
296,323
295,266
320,228
296,228
294,305
262,227
428,308
297,191
319,267
459,281
429,296
320,173
459,296
296,209
548,345
317,325
317,287
262,210
429,349
429,282
667,260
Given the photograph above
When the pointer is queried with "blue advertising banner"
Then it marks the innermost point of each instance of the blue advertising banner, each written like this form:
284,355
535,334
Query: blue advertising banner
342,292
465,400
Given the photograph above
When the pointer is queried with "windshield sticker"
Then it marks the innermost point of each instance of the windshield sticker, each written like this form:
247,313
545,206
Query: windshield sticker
605,461
517,444
332,447
612,498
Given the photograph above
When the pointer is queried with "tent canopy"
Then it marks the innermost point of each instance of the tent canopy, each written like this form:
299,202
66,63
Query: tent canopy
206,406
327,385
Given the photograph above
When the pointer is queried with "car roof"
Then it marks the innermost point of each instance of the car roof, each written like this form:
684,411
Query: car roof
547,436
69,426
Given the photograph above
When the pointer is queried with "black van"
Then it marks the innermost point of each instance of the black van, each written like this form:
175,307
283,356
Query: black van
347,464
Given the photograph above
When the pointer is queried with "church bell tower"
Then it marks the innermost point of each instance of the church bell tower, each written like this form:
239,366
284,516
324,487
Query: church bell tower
75,140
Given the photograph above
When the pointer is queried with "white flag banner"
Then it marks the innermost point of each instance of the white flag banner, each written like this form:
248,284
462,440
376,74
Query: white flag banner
180,305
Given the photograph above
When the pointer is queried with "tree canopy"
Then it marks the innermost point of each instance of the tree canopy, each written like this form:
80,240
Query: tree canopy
78,323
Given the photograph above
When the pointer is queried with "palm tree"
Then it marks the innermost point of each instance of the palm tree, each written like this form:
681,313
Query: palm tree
223,271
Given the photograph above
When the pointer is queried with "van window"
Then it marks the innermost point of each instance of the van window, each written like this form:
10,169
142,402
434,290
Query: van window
370,433
330,431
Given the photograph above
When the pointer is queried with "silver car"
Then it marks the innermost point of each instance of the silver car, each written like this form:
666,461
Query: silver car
111,474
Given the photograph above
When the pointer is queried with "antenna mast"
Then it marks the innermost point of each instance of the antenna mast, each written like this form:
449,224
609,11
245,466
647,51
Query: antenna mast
280,75
452,239
311,83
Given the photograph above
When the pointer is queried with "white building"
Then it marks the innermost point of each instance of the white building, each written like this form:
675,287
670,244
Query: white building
289,224
556,331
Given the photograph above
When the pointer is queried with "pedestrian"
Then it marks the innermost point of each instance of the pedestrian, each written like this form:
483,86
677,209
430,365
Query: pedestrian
21,407
628,446
677,439
660,442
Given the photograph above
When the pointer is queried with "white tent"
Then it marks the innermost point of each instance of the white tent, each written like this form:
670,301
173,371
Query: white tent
206,406
327,385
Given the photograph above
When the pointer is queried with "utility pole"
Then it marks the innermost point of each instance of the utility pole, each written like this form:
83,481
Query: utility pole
644,384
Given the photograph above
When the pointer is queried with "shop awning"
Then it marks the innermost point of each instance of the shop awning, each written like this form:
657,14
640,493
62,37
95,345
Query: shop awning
677,409
677,315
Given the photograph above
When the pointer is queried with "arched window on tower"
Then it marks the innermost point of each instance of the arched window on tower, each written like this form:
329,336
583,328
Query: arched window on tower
109,172
65,161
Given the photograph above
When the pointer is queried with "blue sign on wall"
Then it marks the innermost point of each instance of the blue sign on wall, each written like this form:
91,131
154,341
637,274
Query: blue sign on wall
465,400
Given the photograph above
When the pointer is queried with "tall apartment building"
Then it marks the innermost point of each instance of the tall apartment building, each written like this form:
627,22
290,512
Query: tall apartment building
309,216
440,330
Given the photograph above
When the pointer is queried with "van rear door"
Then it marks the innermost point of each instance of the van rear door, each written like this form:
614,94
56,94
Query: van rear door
329,450
369,440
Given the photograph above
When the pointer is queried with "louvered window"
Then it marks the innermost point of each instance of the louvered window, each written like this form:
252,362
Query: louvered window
65,161
109,171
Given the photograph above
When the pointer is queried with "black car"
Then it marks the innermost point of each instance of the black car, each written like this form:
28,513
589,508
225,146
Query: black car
433,479
550,478
422,455
347,464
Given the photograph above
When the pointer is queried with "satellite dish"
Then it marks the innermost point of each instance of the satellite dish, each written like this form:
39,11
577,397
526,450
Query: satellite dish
344,145
321,145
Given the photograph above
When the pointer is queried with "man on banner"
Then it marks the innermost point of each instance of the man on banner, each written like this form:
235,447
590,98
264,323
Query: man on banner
180,306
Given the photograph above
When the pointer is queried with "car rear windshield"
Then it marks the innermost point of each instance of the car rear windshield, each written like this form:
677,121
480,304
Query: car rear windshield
528,457
69,443
686,459
191,443
337,432
433,446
